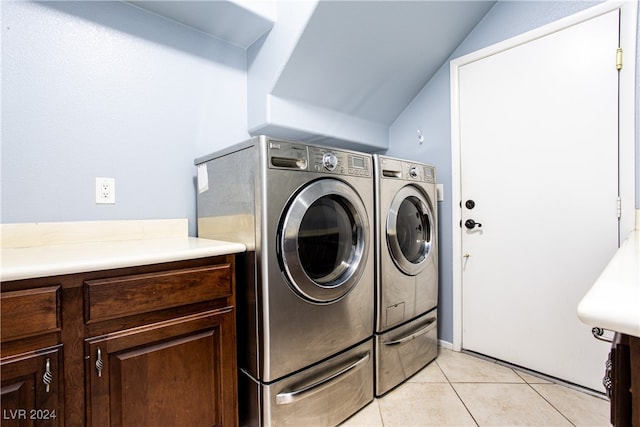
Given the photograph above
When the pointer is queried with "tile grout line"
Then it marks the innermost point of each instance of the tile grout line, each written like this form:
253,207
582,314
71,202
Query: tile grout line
456,392
377,399
515,370
550,404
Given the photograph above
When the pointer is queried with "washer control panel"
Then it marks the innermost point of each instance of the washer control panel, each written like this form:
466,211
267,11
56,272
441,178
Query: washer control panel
295,156
337,161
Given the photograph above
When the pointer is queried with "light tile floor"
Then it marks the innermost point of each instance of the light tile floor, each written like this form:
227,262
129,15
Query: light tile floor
459,389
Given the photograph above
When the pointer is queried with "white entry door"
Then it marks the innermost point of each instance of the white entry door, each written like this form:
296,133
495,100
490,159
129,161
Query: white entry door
539,173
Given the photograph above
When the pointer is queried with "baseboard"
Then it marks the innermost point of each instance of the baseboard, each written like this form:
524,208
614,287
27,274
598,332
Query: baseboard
445,344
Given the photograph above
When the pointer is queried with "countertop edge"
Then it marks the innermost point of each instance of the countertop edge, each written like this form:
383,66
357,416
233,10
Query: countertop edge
28,263
613,302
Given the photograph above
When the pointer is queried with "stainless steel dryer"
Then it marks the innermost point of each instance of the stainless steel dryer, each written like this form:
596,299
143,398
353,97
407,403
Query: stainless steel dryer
406,269
305,303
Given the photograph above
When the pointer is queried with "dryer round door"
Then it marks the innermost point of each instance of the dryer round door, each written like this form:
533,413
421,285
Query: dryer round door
324,241
410,230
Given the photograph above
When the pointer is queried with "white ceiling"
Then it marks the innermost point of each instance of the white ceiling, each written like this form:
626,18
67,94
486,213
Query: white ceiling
369,59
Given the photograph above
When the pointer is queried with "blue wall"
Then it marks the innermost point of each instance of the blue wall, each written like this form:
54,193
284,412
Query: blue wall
104,89
430,112
95,89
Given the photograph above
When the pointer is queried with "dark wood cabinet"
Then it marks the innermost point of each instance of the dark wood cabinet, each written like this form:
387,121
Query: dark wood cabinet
624,381
32,389
171,373
137,346
30,362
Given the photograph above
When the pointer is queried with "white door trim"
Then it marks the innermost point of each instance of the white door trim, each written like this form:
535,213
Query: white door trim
626,127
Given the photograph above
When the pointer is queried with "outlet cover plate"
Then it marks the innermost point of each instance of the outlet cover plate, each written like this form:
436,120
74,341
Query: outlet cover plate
105,190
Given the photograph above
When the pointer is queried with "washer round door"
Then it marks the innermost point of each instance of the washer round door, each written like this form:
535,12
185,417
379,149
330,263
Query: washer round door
410,230
324,241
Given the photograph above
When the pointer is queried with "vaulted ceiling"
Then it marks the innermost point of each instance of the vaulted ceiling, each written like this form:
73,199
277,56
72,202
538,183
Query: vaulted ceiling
369,59
337,70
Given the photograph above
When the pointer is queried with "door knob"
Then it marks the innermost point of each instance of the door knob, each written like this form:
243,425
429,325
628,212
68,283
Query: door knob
470,204
471,224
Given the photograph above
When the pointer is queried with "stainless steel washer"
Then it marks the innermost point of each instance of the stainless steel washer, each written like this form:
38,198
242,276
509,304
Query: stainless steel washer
305,303
406,269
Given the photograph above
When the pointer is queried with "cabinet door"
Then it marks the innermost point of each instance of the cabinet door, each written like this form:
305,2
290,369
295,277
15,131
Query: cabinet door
31,389
180,372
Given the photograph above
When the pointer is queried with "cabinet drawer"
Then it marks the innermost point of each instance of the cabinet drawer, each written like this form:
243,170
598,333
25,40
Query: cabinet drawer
29,312
137,294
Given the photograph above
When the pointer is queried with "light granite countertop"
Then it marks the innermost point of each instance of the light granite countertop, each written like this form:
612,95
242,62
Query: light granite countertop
49,249
613,302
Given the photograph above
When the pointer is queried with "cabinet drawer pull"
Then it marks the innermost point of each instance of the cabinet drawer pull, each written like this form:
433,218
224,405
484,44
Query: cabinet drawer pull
48,376
99,363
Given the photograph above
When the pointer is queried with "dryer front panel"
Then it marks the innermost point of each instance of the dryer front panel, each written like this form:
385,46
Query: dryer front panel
410,230
323,241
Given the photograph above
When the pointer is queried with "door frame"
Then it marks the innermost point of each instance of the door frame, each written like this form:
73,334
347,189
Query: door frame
626,123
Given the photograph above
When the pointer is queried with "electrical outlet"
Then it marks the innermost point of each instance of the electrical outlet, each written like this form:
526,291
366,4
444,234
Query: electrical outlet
105,191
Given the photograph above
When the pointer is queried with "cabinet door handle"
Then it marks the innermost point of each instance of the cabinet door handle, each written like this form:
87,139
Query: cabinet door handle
598,334
48,376
99,363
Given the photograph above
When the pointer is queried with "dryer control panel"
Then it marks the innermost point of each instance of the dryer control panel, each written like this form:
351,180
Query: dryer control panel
289,155
401,169
419,172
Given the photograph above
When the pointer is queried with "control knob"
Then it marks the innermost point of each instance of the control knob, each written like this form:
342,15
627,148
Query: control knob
329,161
413,172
